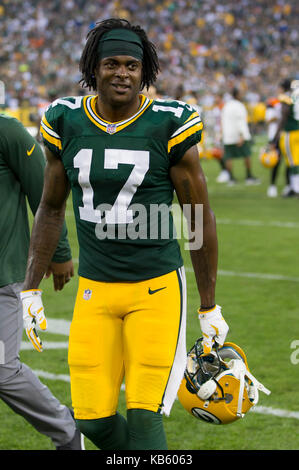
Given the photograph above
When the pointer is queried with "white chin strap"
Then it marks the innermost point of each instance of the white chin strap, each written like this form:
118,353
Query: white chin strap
238,368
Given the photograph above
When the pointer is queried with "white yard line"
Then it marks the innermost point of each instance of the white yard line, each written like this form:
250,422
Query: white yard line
178,219
47,375
265,410
245,222
60,326
257,223
27,346
265,276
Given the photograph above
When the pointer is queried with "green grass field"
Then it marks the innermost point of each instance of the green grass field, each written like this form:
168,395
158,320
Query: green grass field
258,284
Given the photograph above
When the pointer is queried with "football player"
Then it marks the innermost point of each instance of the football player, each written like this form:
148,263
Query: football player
236,137
287,134
118,150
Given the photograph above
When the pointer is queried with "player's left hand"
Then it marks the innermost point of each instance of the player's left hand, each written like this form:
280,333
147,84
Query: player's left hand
213,327
33,313
62,273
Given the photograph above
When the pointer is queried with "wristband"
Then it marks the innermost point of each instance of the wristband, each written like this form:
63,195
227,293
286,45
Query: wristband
207,308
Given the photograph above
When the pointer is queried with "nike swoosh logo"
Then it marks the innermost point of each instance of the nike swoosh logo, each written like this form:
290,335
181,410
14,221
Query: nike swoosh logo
151,292
29,152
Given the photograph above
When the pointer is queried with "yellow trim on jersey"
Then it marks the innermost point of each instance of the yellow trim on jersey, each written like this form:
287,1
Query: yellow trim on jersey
89,115
181,137
192,116
50,139
89,104
48,133
44,120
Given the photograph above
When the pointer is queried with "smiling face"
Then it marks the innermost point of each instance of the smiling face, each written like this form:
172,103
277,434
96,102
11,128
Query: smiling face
118,81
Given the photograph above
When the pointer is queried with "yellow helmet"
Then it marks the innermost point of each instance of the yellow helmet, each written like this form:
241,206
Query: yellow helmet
218,387
269,157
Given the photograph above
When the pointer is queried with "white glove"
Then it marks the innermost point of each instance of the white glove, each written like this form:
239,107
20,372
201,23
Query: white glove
33,312
213,327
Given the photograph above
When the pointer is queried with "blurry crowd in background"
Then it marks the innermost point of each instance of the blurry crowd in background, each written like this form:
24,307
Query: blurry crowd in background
205,47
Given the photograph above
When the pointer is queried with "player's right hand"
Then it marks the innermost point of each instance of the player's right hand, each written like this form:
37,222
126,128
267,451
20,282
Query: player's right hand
33,313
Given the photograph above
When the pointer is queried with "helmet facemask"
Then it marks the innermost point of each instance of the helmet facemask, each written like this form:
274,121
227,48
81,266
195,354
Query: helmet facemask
202,371
218,387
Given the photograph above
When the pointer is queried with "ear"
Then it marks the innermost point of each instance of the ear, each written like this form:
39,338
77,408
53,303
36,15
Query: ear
94,72
95,69
94,80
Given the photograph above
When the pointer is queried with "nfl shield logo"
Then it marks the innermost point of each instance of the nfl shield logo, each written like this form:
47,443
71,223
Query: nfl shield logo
111,128
87,294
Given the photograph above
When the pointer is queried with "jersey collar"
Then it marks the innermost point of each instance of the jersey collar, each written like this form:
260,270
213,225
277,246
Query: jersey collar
89,103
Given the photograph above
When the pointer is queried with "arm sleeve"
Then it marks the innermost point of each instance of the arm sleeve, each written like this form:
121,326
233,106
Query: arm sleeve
51,138
185,134
26,159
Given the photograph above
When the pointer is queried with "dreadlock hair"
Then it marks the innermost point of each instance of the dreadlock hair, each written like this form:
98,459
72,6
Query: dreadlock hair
286,84
89,58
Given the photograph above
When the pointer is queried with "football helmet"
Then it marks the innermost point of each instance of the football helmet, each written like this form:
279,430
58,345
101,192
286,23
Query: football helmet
218,387
217,153
272,102
269,157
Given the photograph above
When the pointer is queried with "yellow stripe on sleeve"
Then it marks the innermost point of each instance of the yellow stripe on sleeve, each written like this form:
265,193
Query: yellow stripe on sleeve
44,120
181,137
52,140
192,116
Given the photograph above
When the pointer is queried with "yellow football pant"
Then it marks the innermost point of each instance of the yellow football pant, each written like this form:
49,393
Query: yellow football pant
134,330
289,146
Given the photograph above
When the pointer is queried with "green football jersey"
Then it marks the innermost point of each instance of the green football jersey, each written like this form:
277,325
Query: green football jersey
119,176
292,122
22,165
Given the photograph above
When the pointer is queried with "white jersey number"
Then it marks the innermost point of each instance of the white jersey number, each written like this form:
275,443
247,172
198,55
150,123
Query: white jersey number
69,104
119,213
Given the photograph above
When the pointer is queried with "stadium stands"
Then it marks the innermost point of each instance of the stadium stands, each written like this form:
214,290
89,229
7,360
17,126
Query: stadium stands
206,45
